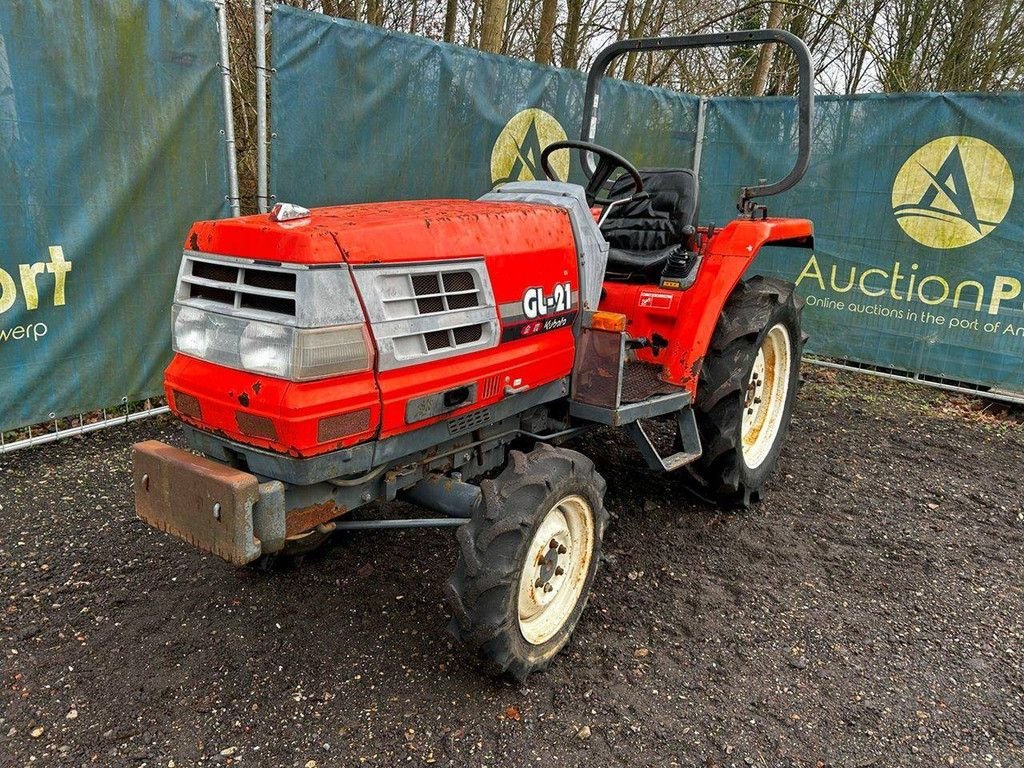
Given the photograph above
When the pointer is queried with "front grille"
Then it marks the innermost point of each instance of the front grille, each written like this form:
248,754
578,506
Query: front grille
468,421
453,338
467,334
426,293
255,426
428,311
276,281
434,293
437,340
343,425
188,405
455,282
242,286
221,273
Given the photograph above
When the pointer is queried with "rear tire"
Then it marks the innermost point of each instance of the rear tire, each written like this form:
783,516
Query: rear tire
527,560
747,390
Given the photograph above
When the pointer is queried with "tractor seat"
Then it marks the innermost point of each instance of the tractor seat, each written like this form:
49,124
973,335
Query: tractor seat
643,234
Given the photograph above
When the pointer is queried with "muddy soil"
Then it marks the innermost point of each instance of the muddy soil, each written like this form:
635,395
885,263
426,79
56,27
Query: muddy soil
869,612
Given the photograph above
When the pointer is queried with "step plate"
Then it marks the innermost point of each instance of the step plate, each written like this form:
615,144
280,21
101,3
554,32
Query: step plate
207,504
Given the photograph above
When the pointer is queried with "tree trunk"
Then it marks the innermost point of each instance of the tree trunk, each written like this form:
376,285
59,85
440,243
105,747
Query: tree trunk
474,26
764,61
859,49
638,27
451,15
543,51
492,27
570,52
374,12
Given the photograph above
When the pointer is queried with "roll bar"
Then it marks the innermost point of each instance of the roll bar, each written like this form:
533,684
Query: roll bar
805,96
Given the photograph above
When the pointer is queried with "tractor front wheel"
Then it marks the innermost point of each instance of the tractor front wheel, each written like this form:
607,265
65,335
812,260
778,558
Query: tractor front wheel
747,390
527,560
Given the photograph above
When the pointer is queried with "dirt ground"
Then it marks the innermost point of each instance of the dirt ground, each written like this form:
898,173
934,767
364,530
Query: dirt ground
869,612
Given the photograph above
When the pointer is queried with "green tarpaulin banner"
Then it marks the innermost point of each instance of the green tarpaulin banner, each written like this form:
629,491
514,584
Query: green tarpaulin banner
918,230
110,146
360,113
917,258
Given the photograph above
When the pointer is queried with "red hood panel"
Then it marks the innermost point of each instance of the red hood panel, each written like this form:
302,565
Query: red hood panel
421,230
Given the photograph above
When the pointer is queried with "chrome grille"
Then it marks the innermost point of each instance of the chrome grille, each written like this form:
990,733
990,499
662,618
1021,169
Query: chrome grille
429,292
451,337
427,311
240,286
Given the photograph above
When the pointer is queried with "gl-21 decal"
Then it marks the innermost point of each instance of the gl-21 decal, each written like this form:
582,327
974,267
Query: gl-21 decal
537,304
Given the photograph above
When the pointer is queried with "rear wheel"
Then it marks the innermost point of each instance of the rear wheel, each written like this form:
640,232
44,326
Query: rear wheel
528,559
747,390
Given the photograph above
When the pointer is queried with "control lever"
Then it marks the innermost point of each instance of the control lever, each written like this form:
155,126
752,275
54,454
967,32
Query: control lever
631,199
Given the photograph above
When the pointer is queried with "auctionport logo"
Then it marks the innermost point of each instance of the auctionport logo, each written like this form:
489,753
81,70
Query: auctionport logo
952,192
516,153
31,287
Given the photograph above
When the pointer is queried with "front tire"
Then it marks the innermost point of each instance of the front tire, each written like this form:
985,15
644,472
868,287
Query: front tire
747,391
527,560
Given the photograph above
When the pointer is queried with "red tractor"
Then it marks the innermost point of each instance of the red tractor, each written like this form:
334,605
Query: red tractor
441,351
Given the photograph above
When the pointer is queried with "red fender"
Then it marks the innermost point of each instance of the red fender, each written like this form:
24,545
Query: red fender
687,319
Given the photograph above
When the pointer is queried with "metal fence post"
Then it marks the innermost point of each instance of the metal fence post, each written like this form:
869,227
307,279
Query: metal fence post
698,145
262,197
229,115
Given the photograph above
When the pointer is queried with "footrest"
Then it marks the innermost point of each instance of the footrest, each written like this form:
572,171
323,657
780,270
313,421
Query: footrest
690,439
630,412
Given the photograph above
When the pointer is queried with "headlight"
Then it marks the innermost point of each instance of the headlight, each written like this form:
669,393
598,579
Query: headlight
190,331
266,348
297,354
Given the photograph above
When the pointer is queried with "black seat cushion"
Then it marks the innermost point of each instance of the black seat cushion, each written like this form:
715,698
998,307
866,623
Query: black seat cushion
644,233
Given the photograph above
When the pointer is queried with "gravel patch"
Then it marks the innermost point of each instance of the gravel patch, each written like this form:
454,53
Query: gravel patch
867,613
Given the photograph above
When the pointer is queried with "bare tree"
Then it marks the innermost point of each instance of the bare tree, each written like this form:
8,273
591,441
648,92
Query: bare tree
451,17
764,59
859,45
571,45
543,51
492,26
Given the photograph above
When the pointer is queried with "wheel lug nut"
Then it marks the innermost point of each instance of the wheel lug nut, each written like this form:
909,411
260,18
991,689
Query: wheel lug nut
750,411
553,544
538,583
559,570
548,587
561,549
757,401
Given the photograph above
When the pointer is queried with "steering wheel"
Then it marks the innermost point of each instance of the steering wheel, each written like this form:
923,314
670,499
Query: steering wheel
608,162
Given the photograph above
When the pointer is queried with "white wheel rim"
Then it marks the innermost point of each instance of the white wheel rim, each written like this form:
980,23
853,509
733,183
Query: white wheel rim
765,399
555,570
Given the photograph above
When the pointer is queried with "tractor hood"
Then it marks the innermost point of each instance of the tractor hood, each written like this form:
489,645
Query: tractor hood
431,309
371,233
